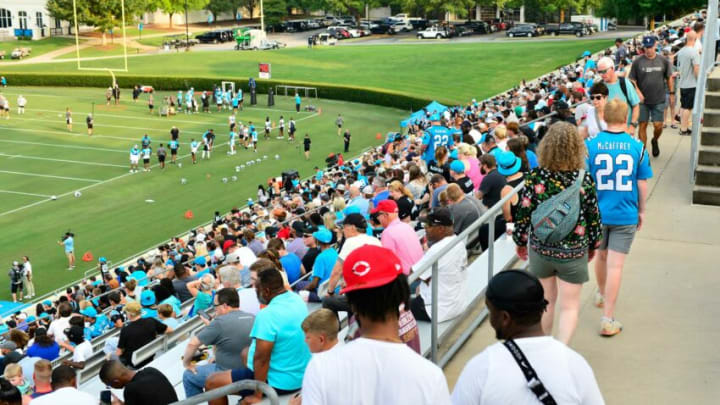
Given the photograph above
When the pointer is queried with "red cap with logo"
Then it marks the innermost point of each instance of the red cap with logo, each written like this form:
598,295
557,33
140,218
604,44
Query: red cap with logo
369,267
388,206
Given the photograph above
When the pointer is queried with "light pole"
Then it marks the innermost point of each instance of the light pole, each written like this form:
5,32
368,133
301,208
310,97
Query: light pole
187,30
262,16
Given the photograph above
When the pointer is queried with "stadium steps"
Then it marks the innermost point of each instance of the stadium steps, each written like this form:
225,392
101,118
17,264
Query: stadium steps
707,173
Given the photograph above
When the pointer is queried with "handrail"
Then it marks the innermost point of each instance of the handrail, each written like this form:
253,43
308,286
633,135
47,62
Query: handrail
433,260
707,64
253,385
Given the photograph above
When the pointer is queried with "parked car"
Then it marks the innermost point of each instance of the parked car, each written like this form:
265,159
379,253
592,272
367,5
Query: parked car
354,32
401,26
179,41
432,32
493,27
612,26
477,27
312,24
338,32
381,28
325,38
419,23
565,28
522,30
211,37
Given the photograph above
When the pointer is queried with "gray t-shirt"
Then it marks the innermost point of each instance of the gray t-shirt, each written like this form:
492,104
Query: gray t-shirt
687,58
649,75
230,334
465,213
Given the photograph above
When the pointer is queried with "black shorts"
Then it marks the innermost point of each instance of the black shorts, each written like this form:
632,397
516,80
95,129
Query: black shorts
205,147
232,126
90,126
339,125
173,152
146,161
161,158
150,106
267,130
307,149
687,98
15,287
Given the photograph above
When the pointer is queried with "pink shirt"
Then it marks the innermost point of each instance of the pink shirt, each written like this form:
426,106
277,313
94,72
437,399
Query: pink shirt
474,172
403,241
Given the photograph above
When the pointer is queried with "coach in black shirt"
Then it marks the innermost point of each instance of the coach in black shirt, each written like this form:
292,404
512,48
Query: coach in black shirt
147,386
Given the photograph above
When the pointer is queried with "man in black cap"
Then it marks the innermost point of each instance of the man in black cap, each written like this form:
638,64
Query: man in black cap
353,226
451,269
502,375
562,113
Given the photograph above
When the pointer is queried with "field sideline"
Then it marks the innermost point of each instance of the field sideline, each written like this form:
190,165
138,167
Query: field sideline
39,158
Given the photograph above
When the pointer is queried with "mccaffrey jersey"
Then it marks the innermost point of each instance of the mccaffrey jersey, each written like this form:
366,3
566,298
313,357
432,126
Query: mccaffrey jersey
617,161
437,136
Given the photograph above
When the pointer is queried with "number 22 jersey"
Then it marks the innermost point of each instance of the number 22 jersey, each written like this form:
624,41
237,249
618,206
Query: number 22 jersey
617,161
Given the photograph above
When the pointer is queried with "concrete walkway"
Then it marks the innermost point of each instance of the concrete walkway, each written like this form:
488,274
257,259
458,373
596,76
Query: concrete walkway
669,301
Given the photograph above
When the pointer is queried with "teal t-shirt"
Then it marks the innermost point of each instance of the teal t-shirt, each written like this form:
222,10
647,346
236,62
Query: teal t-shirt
615,91
280,322
203,301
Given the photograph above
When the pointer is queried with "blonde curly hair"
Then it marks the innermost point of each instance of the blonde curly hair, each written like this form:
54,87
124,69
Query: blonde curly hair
562,148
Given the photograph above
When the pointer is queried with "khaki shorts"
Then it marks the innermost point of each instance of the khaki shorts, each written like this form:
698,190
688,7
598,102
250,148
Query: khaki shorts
618,238
570,270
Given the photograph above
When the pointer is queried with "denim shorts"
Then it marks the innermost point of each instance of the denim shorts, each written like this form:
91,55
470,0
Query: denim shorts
651,112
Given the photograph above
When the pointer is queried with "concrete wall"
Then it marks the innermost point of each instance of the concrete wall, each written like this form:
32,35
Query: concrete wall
31,8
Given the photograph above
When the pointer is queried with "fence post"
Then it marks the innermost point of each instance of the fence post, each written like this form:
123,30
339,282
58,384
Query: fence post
491,248
434,316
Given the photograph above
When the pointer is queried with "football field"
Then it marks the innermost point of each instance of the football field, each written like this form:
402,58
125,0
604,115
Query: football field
118,213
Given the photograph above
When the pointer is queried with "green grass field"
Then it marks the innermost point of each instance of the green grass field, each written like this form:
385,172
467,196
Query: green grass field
451,72
39,47
40,158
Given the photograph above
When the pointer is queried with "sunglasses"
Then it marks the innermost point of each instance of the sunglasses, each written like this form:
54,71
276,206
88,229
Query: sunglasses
603,71
597,97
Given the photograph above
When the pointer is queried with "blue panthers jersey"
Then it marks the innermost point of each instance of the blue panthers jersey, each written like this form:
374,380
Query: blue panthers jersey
617,161
173,144
437,136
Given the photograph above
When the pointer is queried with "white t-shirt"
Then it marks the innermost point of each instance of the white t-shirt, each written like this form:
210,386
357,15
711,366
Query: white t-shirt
64,396
591,123
369,372
356,242
27,269
493,376
57,329
451,279
82,352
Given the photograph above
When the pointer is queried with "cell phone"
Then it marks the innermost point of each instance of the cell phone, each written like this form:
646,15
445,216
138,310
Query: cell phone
205,315
105,397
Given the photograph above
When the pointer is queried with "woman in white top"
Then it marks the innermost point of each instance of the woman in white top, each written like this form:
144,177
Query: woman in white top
593,122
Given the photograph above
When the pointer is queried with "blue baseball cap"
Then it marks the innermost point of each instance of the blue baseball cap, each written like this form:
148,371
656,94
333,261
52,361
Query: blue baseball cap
323,235
47,302
90,312
31,318
457,166
353,209
648,41
102,259
44,315
507,163
147,298
201,260
586,53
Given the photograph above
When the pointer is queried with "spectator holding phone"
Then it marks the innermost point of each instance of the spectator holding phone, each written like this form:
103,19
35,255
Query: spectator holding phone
147,386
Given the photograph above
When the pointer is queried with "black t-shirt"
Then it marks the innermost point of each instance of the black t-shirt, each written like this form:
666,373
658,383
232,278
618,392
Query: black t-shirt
136,335
444,170
466,184
149,386
174,134
306,143
491,187
309,259
347,137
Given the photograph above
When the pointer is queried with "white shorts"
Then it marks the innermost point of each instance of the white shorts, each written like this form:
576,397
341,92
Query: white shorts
134,159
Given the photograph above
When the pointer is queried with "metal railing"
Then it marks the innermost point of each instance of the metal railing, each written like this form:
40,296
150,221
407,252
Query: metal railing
707,64
233,388
433,262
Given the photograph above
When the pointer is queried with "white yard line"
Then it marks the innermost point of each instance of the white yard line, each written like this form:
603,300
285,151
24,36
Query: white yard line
87,187
49,131
55,145
141,129
51,176
79,162
21,193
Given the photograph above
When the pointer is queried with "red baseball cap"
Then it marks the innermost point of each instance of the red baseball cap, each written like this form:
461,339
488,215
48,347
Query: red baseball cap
369,267
388,206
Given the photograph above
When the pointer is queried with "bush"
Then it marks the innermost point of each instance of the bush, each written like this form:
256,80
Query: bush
381,97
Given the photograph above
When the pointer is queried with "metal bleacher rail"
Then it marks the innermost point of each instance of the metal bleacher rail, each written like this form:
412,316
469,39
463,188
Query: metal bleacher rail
254,385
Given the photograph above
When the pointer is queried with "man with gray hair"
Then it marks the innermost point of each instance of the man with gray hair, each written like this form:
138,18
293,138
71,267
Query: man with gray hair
357,200
620,88
380,190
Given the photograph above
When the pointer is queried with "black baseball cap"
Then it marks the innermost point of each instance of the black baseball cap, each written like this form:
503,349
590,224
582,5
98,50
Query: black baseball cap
356,220
517,292
438,217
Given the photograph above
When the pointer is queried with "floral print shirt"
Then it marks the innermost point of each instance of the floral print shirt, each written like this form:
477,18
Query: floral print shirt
540,185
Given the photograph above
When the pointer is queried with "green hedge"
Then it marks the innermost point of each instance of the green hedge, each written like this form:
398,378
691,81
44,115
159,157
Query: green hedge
381,97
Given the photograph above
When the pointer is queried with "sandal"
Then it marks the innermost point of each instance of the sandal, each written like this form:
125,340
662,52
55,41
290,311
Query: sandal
673,126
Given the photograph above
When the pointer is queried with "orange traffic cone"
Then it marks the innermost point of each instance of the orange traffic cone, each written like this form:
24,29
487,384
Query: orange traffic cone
189,214
378,136
87,257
